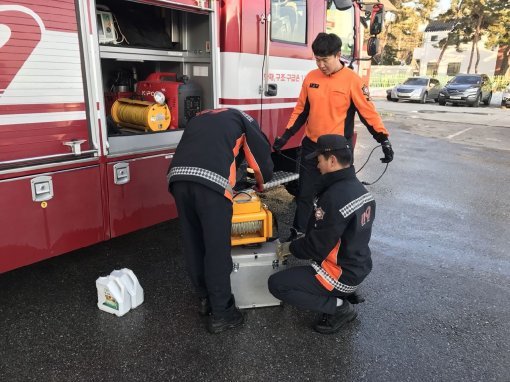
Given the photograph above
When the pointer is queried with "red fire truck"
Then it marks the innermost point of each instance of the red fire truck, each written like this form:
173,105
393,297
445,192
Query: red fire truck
70,175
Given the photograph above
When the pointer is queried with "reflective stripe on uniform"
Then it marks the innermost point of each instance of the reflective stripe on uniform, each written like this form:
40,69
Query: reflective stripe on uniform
202,173
355,204
334,283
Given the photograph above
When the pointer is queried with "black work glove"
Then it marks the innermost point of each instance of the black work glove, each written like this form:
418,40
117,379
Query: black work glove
387,150
279,142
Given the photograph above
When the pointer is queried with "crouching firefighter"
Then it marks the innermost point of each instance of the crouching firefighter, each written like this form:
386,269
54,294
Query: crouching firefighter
336,242
201,178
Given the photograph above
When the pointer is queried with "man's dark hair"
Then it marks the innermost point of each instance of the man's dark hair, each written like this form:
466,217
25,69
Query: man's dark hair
326,44
343,156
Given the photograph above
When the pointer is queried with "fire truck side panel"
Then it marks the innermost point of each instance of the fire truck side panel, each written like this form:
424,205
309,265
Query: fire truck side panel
36,230
144,199
41,85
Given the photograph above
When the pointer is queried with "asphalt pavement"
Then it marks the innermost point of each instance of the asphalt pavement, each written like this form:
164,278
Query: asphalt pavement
437,301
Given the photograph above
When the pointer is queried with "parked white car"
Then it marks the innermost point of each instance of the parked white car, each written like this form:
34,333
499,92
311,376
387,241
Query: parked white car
419,89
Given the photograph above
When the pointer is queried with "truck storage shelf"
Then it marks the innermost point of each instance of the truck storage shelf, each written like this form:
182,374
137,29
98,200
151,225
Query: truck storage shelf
140,54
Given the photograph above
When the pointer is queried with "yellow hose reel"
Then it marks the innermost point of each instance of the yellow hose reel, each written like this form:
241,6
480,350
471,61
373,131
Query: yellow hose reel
252,222
141,115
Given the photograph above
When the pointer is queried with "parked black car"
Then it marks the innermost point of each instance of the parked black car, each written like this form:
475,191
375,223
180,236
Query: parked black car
468,89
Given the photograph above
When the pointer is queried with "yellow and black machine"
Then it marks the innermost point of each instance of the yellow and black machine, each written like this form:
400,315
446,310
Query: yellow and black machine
252,222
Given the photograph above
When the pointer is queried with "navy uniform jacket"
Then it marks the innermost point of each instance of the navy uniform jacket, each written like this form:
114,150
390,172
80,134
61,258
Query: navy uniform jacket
210,144
338,232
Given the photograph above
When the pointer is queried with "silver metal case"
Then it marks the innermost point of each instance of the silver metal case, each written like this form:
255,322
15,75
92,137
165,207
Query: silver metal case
252,268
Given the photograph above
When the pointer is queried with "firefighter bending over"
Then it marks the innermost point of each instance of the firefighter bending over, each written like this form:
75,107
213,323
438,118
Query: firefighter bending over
201,178
330,96
336,241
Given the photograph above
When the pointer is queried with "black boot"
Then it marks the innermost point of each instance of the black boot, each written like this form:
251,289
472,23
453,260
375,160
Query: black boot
332,323
218,324
204,306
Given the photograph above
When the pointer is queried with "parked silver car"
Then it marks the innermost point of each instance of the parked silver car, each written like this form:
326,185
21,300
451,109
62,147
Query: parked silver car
419,89
505,100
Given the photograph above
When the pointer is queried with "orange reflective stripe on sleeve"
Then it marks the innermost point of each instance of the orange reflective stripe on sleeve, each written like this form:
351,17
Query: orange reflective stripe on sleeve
252,162
330,266
233,168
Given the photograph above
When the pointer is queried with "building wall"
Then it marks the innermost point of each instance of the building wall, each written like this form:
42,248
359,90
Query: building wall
428,53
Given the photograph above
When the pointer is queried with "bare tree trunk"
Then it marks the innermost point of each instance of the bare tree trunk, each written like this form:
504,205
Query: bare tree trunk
476,36
477,57
443,49
471,56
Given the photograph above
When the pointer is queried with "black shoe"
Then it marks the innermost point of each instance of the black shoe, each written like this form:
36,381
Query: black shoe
332,323
204,307
294,234
220,324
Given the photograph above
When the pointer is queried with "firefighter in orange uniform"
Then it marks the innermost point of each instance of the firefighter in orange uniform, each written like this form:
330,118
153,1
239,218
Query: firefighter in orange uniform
329,99
201,178
336,242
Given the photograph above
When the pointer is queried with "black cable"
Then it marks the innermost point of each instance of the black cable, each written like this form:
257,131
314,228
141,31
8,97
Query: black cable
375,181
266,27
292,159
369,155
361,168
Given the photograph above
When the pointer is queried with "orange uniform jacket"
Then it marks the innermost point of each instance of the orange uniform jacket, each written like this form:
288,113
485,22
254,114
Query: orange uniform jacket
327,105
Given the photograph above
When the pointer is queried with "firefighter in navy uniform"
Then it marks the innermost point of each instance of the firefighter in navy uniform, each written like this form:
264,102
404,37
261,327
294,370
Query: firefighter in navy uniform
330,97
336,241
201,177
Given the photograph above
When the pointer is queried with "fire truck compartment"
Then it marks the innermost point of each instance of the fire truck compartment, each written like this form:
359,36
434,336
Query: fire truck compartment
148,41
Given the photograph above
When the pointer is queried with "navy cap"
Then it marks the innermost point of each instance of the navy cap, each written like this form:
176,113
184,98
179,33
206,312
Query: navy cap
329,142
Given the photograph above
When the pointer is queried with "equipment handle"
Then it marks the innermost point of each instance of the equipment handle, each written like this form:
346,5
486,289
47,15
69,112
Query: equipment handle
157,76
119,283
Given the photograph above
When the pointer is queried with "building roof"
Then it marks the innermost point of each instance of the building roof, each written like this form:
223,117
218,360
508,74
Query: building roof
437,26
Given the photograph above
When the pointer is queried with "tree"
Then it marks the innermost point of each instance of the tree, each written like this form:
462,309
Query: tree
399,37
453,36
499,34
475,18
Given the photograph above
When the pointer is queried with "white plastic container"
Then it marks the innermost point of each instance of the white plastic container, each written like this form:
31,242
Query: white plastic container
130,281
112,295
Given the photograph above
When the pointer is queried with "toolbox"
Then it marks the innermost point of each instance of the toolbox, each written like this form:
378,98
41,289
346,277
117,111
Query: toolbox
252,266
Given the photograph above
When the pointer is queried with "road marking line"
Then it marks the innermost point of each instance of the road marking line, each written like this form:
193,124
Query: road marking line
458,133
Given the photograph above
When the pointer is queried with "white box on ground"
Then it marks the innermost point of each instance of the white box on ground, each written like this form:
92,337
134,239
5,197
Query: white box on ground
112,295
252,268
134,288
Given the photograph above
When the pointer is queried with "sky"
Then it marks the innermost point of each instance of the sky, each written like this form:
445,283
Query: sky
444,5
